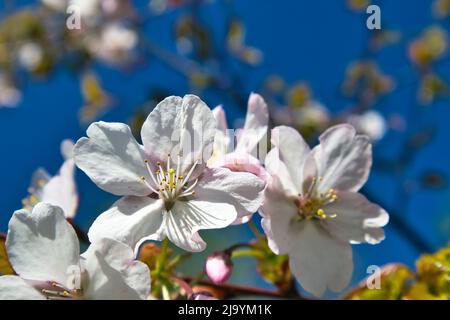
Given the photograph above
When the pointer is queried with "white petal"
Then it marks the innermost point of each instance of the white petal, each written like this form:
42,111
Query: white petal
14,288
42,245
277,169
113,273
221,118
318,260
129,220
343,159
180,124
243,190
288,157
112,158
357,220
67,149
278,212
184,219
61,190
256,124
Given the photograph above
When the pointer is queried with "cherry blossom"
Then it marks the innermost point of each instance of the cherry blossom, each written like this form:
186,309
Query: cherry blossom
313,211
44,251
166,187
59,190
242,158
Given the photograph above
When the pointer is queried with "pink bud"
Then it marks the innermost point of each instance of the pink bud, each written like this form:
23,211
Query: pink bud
219,267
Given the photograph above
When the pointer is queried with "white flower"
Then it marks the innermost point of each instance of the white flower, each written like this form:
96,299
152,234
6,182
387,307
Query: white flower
168,189
114,44
44,251
242,158
313,114
371,123
30,55
313,211
60,190
58,5
87,8
10,96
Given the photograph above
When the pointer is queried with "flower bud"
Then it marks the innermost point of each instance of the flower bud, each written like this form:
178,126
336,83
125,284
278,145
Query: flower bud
219,267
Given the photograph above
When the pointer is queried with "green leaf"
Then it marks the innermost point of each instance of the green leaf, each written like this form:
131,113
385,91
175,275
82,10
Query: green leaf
434,271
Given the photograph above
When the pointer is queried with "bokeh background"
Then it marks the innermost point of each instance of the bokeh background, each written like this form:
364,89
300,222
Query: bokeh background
315,62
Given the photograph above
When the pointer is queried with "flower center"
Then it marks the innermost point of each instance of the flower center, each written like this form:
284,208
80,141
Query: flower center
55,291
168,182
312,205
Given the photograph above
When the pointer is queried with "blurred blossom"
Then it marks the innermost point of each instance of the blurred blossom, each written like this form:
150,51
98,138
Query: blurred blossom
219,267
397,122
96,100
161,6
10,96
370,123
365,78
58,5
298,95
236,44
429,47
384,38
274,84
441,8
432,86
310,118
114,44
313,114
358,5
88,8
30,55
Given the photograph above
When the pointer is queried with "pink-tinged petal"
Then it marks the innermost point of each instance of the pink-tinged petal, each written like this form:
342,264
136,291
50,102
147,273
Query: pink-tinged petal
14,288
221,118
61,190
113,273
42,245
256,124
291,154
200,296
278,212
219,267
241,162
357,220
129,220
222,145
183,221
112,158
180,125
317,260
243,190
343,159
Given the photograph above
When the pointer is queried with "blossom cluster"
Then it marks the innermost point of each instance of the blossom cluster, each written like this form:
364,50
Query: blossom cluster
193,173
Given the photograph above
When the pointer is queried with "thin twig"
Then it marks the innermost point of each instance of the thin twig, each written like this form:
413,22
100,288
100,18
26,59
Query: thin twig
232,290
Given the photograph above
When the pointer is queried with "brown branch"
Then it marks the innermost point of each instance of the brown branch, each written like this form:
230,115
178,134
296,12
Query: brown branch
232,290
